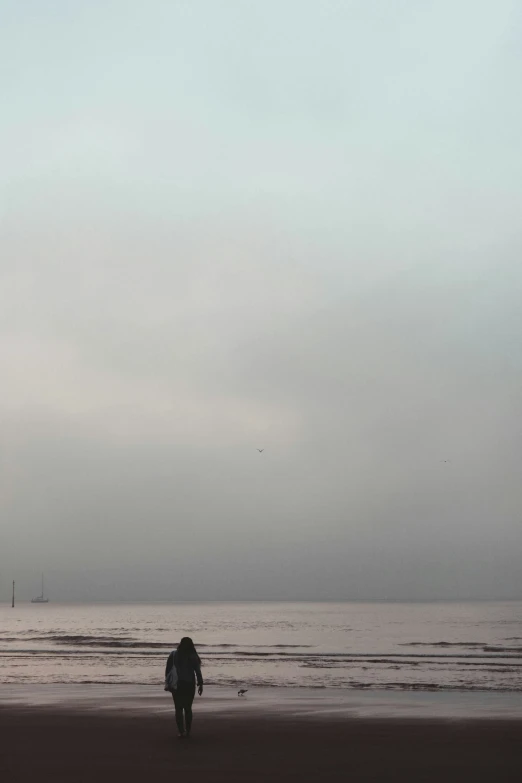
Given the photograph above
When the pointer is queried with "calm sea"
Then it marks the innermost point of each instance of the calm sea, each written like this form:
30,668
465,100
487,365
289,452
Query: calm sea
465,646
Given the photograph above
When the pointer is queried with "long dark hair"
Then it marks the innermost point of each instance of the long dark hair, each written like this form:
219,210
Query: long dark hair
187,650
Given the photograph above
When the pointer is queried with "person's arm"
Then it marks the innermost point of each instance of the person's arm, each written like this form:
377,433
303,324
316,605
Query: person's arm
199,677
170,664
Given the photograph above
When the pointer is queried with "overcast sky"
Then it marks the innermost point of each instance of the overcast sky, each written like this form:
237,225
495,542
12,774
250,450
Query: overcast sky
292,225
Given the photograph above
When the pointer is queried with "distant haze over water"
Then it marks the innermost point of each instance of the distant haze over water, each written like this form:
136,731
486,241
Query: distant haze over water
260,299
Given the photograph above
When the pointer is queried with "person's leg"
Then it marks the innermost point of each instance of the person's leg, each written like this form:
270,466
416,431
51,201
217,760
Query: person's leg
188,707
178,706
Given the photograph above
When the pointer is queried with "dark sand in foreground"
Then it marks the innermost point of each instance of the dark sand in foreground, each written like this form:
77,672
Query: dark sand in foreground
40,744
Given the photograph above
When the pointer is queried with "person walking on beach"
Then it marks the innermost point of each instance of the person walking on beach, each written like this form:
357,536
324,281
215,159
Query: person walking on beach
188,668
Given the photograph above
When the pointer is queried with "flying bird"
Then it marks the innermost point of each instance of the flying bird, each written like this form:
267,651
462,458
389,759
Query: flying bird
260,451
242,691
445,460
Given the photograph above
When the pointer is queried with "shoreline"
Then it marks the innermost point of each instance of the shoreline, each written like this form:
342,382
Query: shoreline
294,703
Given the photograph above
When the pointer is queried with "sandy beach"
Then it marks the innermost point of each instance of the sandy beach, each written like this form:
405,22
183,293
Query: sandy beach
135,740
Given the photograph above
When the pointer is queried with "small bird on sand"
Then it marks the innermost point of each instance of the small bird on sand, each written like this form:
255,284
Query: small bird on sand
260,451
242,691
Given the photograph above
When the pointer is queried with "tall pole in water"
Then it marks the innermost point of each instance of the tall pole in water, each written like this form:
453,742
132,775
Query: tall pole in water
12,604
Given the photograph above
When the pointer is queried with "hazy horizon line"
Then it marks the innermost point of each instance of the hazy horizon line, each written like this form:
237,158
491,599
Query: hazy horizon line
114,602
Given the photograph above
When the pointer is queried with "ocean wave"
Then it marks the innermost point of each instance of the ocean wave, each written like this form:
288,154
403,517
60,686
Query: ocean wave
262,646
441,644
129,642
468,645
126,644
229,656
231,682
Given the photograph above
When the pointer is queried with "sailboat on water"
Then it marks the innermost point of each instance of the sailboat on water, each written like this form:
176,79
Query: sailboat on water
40,598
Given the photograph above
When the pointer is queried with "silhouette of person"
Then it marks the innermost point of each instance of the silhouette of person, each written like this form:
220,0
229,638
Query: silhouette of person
188,668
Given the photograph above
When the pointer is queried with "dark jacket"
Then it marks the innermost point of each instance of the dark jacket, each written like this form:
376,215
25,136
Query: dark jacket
189,669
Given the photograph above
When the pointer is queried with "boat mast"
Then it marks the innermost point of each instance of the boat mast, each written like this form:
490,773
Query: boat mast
12,603
42,585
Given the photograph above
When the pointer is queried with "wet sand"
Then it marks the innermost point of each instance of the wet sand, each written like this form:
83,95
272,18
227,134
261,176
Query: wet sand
63,745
